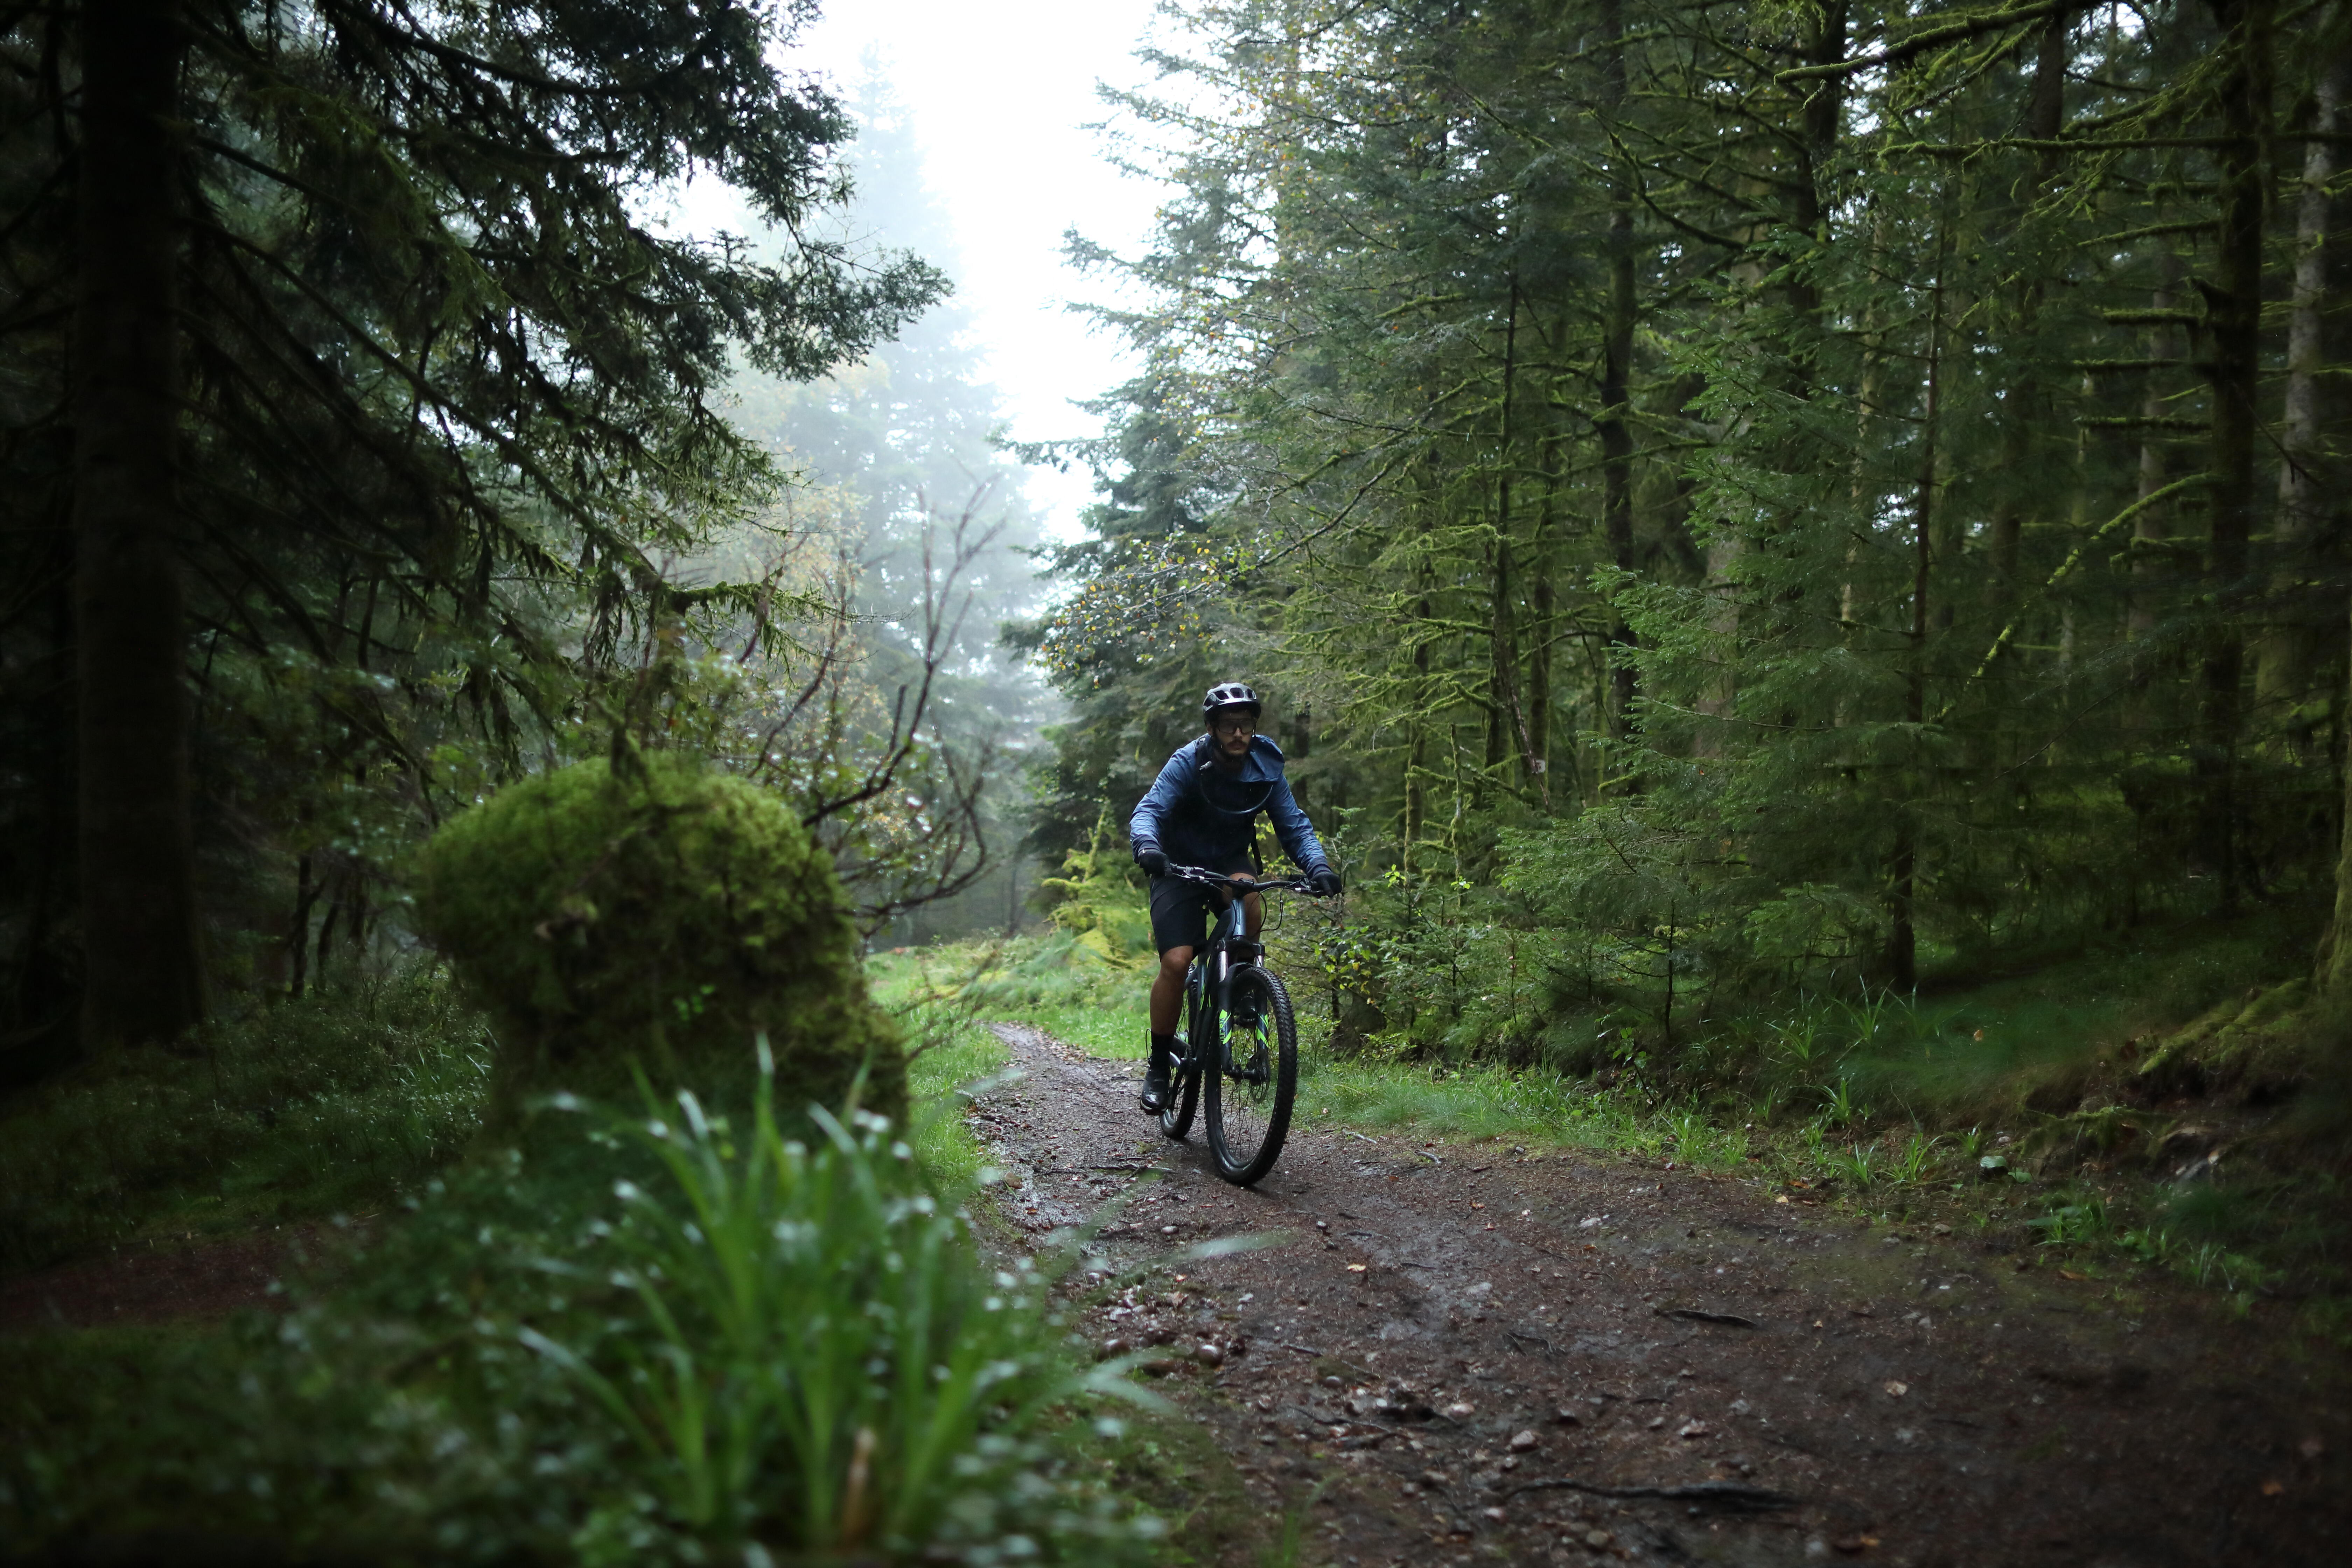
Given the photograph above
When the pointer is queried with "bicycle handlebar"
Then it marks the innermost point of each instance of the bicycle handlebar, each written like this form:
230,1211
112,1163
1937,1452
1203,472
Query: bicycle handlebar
1208,879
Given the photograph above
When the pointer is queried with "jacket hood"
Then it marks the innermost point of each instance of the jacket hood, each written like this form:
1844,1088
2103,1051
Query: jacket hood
1263,766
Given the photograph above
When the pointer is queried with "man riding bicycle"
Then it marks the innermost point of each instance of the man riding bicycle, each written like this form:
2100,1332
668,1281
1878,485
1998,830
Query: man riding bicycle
1203,811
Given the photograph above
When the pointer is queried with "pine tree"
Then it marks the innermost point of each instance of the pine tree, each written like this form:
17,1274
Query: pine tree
431,374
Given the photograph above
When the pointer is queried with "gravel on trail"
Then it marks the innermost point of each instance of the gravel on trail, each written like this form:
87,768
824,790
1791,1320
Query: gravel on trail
1467,1354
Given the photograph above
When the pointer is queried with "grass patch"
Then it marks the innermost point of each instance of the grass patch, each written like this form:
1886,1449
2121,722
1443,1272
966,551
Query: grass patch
947,1047
1057,982
1470,1103
337,1101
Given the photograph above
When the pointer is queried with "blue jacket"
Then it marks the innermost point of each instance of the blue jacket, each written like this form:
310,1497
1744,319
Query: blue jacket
1197,815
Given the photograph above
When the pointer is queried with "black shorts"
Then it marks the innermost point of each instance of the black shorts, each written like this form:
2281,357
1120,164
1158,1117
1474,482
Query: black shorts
1183,911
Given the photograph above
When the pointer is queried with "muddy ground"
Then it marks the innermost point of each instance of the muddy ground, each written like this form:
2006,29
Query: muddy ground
1478,1353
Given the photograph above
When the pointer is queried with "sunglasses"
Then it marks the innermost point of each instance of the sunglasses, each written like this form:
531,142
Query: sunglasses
1234,726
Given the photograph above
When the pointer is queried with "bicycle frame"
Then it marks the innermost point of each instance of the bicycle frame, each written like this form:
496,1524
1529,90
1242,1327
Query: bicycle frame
1209,978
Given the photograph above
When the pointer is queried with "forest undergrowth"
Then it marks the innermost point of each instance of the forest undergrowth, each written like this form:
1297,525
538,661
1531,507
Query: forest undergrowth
627,1335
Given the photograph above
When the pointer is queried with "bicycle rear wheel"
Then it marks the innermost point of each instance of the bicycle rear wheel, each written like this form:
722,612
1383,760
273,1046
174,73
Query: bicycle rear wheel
1251,1082
1184,1091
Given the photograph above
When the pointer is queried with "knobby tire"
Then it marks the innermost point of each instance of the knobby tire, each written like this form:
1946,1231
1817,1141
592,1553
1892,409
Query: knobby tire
1252,1085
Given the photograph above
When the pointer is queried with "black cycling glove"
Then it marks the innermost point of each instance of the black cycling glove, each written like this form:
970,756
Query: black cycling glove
1153,859
1325,882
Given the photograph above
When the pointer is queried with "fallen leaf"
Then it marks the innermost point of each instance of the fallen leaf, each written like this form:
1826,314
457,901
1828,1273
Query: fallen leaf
1782,1198
1897,1389
2069,1274
2274,1489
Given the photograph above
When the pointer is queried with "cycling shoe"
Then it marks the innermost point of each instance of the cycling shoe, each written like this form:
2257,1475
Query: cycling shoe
1157,1077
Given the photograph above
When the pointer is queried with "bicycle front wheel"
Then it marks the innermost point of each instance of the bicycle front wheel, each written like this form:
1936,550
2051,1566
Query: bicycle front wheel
1252,1080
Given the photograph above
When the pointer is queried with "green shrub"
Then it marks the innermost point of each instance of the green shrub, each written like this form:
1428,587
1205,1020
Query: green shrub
657,915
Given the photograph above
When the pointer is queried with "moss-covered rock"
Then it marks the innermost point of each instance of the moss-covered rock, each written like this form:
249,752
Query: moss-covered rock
661,917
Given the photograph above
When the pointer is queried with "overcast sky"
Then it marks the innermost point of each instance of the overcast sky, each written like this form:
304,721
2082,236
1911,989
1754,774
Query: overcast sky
996,95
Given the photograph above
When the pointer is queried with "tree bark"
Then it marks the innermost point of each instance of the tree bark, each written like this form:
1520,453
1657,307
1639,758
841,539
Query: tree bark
1544,605
1616,378
144,980
2045,110
2153,527
1506,720
1902,955
2285,669
2234,305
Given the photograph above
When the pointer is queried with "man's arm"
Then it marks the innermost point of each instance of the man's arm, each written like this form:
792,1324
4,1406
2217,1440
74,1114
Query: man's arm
1143,827
1297,834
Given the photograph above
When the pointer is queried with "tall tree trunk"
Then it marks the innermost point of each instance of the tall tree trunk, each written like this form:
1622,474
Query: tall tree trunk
298,929
1505,716
2285,669
1719,698
1507,722
2153,526
2045,110
1902,956
2234,304
1543,603
1823,120
1617,374
144,981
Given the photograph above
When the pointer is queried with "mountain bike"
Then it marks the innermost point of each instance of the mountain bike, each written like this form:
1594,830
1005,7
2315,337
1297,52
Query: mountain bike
1239,1048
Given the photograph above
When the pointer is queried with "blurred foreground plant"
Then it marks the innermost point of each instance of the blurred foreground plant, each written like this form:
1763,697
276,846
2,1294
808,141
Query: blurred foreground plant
810,1357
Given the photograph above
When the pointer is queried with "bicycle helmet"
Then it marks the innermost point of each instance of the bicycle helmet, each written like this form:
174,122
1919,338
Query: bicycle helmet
1230,694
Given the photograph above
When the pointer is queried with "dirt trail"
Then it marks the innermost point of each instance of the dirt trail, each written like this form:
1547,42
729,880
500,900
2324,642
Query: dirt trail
153,1282
1449,1334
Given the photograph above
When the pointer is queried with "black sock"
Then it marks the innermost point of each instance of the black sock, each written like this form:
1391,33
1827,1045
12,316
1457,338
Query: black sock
1164,1046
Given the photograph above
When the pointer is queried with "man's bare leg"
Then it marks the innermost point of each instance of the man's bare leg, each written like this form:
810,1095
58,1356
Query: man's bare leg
1168,990
1167,1008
